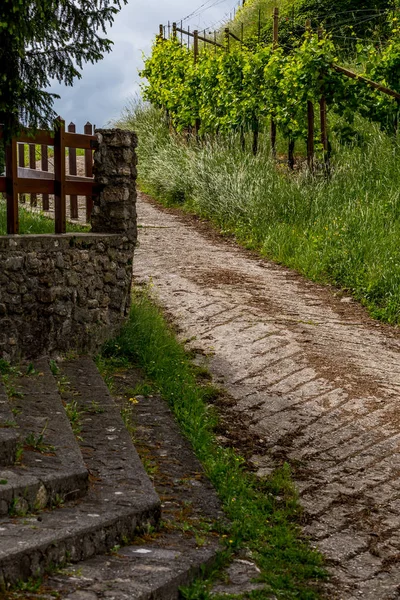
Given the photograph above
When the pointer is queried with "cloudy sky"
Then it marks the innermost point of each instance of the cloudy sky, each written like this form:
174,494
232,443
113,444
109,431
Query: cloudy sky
106,86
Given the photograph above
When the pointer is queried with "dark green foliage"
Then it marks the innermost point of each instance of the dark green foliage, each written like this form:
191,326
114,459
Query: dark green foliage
41,40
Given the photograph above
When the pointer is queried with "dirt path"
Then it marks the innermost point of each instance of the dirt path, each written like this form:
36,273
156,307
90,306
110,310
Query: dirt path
312,376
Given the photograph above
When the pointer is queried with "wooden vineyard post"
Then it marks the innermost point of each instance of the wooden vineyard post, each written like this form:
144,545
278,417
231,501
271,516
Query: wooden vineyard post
227,39
310,135
59,176
174,32
195,45
32,165
291,154
12,187
276,27
161,32
45,167
21,163
88,129
195,59
256,131
242,138
275,45
73,199
323,118
310,123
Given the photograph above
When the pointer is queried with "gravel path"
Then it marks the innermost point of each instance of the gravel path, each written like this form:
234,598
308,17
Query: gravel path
312,376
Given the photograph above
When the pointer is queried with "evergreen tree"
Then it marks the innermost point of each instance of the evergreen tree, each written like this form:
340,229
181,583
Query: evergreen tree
41,40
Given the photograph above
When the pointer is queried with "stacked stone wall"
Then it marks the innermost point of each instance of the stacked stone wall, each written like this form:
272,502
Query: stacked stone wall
72,292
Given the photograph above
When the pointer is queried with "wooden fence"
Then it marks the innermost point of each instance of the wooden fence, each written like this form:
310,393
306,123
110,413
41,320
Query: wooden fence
20,180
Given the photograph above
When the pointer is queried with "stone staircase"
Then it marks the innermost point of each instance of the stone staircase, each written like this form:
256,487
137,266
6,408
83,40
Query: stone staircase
73,488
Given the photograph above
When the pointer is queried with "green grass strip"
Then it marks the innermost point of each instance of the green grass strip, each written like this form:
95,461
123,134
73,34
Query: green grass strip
35,222
264,514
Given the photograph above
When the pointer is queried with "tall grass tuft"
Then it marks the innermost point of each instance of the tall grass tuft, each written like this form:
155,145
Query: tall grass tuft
343,230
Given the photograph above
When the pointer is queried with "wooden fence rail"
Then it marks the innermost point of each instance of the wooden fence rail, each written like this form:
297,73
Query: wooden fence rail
20,180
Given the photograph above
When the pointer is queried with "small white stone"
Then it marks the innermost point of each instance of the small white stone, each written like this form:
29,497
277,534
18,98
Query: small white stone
142,551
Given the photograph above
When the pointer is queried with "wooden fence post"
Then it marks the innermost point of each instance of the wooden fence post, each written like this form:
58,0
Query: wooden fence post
195,45
32,165
21,163
12,187
174,32
323,116
73,200
59,176
256,131
242,138
291,153
196,56
310,135
227,39
162,32
275,45
88,129
45,167
310,123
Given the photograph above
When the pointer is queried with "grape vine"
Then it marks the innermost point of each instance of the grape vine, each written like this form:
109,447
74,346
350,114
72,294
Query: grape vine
225,91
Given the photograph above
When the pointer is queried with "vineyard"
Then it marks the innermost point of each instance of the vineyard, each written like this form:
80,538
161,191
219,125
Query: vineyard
232,87
224,121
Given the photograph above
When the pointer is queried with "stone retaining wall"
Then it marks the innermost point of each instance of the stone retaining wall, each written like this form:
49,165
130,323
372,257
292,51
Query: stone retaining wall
72,291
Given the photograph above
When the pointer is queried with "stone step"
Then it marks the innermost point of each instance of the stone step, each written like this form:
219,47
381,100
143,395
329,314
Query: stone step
51,469
141,572
156,566
120,500
8,433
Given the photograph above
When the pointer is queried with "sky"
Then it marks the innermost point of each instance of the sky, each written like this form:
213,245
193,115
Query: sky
107,86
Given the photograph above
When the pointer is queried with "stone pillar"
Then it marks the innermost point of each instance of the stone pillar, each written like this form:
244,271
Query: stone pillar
115,172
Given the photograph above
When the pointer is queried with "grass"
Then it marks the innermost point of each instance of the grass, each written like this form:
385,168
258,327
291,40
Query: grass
264,514
34,222
341,230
